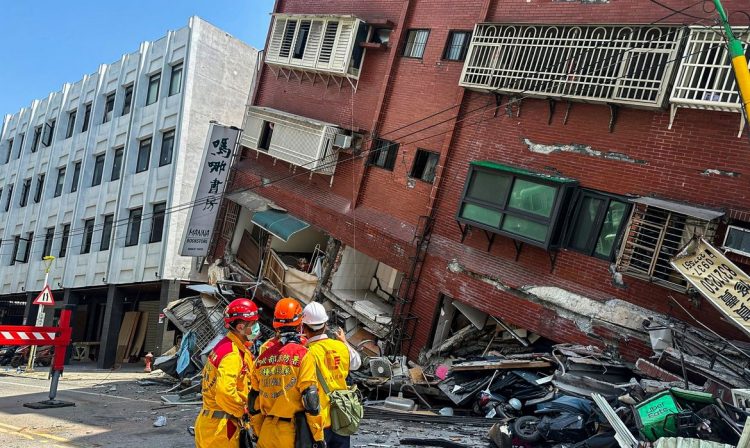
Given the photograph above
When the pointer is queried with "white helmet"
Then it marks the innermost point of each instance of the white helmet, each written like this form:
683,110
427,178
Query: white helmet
314,316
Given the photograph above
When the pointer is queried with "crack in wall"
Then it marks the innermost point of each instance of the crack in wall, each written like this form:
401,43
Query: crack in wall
716,172
578,148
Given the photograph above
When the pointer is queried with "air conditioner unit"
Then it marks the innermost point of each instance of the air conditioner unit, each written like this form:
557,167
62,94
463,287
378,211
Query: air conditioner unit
737,240
381,368
342,141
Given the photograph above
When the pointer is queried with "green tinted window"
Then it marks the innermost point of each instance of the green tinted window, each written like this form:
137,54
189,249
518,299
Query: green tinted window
612,222
482,215
524,227
585,224
532,197
488,187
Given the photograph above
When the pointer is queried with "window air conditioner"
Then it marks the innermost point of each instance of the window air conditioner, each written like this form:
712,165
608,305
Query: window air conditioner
737,240
342,141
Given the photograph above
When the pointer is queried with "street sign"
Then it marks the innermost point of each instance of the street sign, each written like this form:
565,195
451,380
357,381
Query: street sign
45,297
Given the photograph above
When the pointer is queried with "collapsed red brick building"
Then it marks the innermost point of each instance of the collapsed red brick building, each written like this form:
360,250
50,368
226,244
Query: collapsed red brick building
536,162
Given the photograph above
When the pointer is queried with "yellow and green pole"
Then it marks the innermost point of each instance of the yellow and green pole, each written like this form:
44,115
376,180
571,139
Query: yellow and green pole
739,62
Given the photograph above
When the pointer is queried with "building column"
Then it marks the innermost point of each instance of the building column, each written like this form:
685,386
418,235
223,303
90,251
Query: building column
169,291
70,298
30,312
112,322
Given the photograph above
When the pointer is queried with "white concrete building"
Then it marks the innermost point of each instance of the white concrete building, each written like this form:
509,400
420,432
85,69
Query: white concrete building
90,175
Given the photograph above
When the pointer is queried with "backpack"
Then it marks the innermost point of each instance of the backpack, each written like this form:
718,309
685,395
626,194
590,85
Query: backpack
346,407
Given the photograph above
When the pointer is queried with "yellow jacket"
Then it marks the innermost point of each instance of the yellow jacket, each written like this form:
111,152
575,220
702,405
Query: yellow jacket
226,376
280,375
332,359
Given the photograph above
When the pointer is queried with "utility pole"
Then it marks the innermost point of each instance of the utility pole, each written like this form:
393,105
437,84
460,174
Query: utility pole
739,62
47,260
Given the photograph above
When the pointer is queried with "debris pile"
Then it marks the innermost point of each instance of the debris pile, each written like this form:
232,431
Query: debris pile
694,391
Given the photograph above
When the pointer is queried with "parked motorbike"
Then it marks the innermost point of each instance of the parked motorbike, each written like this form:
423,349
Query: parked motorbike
43,356
564,420
493,405
6,354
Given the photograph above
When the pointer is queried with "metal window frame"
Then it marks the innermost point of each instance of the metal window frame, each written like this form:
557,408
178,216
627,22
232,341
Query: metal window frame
406,42
391,148
87,237
131,232
155,215
731,249
97,179
107,232
179,67
428,154
154,79
166,135
464,47
570,228
516,58
141,147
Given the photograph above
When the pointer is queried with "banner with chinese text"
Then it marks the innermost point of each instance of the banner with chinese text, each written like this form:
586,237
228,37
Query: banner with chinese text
213,172
718,279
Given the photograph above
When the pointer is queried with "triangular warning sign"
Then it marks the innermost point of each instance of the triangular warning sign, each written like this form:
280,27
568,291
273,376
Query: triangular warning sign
45,297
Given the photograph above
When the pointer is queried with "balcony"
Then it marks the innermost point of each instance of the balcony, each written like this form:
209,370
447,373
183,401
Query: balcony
314,46
629,65
705,79
301,141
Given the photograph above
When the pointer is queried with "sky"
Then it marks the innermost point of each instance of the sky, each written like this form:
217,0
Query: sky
49,42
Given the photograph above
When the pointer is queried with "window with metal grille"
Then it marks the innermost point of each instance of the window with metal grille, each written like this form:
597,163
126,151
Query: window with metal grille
230,219
286,42
416,41
705,79
384,154
653,237
614,64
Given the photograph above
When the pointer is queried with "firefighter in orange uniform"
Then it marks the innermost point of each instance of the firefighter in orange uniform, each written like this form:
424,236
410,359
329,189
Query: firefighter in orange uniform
334,358
226,377
283,384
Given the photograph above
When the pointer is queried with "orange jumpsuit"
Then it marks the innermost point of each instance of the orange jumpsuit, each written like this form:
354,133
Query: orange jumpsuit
225,385
280,375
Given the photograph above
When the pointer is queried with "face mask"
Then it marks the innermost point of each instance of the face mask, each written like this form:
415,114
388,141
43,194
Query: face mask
254,332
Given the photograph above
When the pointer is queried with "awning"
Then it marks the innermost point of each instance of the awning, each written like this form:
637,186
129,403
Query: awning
705,214
249,200
282,225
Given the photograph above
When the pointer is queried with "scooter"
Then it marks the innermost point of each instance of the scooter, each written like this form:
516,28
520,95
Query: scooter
6,354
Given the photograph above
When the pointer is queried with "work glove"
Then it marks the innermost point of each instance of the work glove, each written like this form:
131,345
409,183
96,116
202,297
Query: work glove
319,444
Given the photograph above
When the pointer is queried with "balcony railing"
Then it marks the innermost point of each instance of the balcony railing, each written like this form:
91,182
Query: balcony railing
594,63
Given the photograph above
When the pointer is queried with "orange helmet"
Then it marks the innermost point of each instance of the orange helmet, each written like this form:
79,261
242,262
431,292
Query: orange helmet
240,309
288,313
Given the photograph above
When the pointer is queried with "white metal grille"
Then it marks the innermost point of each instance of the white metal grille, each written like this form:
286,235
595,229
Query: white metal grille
322,44
653,237
614,64
705,79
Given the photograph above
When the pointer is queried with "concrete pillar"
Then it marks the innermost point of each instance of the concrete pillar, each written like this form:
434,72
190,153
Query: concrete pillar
30,312
112,322
169,291
70,298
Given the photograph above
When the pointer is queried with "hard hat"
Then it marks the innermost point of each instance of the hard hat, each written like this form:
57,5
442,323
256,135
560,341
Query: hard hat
240,309
515,403
288,313
314,316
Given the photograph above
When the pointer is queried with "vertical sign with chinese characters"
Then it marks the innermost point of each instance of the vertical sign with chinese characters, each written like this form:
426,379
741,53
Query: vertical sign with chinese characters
718,279
213,172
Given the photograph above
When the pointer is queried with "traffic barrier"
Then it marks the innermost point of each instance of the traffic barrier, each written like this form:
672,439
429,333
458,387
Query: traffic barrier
59,337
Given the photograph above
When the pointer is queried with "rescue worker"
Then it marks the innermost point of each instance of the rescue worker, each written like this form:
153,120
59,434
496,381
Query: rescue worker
334,358
283,384
226,377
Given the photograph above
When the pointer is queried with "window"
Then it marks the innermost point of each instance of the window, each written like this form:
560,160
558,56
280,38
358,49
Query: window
1,197
175,81
167,146
27,246
39,188
117,164
597,224
76,177
16,243
134,227
9,198
456,46
286,42
37,139
416,41
520,204
88,235
64,241
98,170
128,100
25,188
20,145
737,240
49,236
106,232
425,163
153,88
71,124
157,222
86,117
264,142
109,107
144,154
60,181
301,42
10,150
658,229
49,131
384,154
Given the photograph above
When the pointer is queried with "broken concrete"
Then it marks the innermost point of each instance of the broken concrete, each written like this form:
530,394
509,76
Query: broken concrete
716,172
585,150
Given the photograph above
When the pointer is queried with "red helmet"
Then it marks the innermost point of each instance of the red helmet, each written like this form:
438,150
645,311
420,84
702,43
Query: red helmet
240,309
288,313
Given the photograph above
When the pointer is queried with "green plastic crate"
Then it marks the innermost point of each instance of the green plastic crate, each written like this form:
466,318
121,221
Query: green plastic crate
657,416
